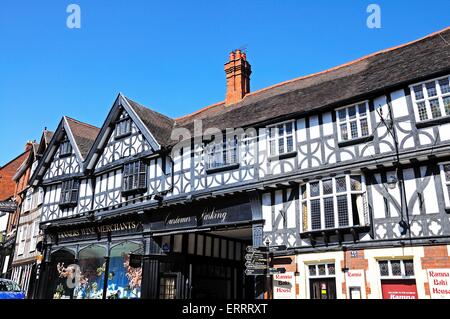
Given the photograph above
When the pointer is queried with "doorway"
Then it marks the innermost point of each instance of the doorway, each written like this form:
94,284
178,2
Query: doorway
322,288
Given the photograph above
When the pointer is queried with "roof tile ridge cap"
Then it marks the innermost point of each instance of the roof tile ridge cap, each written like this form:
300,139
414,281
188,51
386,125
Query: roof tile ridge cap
347,63
199,111
82,123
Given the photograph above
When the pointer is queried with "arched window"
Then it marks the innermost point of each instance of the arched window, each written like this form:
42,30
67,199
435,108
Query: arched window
59,281
124,282
92,264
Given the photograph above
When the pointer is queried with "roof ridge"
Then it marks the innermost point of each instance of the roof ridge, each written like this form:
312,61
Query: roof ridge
321,72
81,123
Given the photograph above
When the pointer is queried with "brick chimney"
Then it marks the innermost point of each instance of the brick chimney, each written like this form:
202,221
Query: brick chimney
28,146
237,71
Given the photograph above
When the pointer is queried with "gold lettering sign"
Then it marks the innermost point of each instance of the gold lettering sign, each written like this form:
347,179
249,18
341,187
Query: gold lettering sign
99,229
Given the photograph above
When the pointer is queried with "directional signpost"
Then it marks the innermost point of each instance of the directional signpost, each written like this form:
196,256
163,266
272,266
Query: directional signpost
257,260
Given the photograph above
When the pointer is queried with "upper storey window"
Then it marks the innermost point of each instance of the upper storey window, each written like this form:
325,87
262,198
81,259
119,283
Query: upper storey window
69,193
223,154
281,139
353,122
431,99
66,148
123,127
445,176
134,177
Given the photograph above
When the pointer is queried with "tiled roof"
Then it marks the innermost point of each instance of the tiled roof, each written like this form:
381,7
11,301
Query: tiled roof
84,135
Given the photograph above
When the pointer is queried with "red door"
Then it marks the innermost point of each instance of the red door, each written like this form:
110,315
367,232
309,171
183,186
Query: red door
399,289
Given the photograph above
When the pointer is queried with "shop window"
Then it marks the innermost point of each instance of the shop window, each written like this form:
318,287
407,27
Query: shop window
124,281
61,272
92,263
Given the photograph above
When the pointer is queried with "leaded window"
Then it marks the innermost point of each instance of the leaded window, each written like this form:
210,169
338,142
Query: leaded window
353,121
134,177
398,268
431,99
445,176
223,153
333,202
322,270
69,193
281,138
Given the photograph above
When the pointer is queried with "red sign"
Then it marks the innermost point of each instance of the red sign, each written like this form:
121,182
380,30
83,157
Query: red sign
399,289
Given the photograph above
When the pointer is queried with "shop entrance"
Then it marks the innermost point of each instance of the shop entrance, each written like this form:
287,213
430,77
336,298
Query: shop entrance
324,288
206,265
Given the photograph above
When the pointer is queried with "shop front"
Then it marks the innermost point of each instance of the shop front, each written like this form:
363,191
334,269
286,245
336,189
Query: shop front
186,252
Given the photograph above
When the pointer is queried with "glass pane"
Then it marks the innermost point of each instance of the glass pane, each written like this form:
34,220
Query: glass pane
355,182
331,269
447,172
288,128
322,270
124,282
353,129
342,114
435,110
303,190
315,214
409,267
341,185
447,105
342,208
92,265
445,88
272,132
327,186
280,145
312,270
364,127
352,112
431,89
280,130
314,189
290,144
418,92
362,109
272,146
384,268
396,268
344,133
421,108
329,212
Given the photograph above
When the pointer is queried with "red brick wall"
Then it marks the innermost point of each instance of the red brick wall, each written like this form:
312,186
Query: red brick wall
435,257
354,263
7,185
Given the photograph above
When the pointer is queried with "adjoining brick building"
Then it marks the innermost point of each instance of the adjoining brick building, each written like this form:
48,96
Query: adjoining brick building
348,168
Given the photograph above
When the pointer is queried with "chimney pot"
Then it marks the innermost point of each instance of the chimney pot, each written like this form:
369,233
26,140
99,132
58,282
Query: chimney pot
232,55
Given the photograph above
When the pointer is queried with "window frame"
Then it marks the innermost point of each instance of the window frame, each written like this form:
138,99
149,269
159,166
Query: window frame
141,171
334,195
65,148
426,98
276,138
445,184
118,134
226,151
357,119
70,188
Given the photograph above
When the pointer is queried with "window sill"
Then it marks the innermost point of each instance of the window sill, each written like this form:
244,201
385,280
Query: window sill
222,168
282,156
433,122
355,141
122,136
134,191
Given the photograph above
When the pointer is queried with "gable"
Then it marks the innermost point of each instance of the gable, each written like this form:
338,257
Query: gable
63,164
119,147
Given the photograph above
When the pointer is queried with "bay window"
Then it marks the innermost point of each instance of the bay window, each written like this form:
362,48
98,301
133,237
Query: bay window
431,99
281,139
353,122
222,154
333,202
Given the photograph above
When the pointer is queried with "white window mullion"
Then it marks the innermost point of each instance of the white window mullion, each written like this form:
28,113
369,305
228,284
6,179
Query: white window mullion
335,205
322,206
349,200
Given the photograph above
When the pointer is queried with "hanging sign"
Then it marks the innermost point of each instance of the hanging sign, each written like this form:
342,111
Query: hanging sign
8,206
439,282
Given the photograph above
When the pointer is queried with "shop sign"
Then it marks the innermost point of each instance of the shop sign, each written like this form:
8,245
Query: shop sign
354,280
101,229
399,289
439,282
284,286
8,206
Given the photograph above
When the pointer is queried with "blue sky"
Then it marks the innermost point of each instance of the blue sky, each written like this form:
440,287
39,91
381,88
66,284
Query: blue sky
169,55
